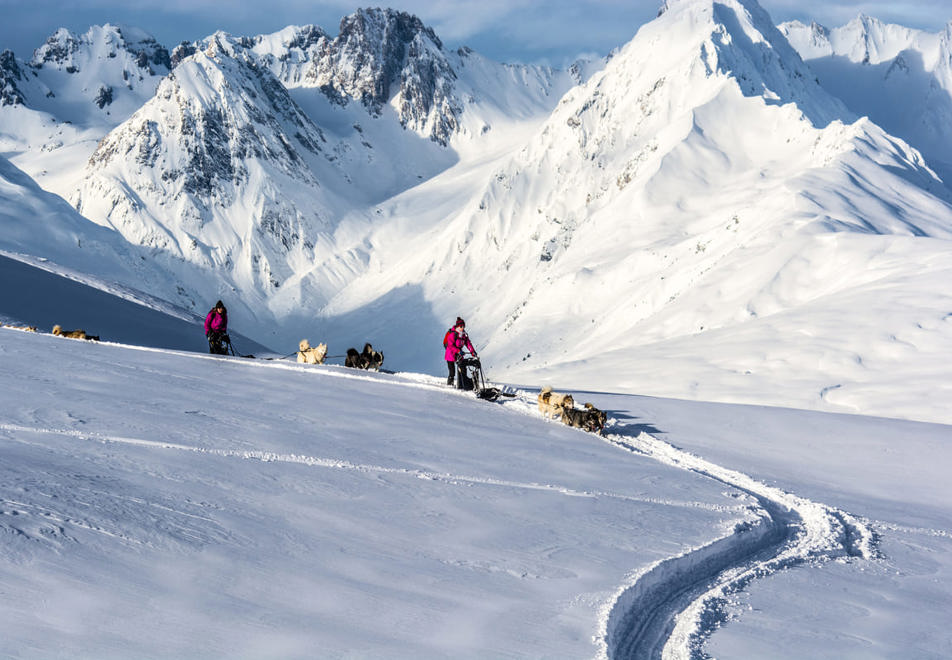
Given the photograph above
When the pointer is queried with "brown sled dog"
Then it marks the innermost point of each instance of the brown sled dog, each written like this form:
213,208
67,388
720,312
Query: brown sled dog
73,334
311,354
551,404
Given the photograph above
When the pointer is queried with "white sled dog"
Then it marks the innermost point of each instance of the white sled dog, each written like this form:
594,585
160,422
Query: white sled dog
551,404
311,354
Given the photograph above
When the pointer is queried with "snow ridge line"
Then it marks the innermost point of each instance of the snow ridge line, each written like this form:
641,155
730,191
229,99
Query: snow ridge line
670,609
338,464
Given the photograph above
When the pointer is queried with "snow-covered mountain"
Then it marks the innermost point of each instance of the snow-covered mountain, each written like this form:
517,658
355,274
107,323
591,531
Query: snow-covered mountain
109,69
700,217
56,107
899,77
675,204
224,169
220,169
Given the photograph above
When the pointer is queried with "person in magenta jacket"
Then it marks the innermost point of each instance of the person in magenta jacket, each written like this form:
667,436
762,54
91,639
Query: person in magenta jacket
216,328
455,340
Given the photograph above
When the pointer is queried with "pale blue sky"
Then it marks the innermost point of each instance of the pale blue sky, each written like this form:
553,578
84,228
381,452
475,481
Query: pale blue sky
551,31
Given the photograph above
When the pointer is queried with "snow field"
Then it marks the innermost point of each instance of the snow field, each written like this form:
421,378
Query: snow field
487,515
351,512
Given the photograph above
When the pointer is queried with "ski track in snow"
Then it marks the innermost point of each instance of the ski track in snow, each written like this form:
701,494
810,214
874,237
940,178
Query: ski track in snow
669,609
330,463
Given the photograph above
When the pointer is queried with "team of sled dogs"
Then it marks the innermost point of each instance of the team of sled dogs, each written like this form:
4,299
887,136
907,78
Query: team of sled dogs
57,330
73,334
368,359
552,404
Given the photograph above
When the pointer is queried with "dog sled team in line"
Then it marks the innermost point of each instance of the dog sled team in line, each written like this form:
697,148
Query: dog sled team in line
551,404
463,371
57,330
588,418
219,343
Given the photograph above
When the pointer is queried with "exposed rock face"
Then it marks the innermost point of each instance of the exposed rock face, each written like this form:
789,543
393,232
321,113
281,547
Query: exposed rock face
10,75
380,57
216,169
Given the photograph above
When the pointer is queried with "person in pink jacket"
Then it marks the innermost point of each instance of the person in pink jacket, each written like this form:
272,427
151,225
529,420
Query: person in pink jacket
216,328
454,341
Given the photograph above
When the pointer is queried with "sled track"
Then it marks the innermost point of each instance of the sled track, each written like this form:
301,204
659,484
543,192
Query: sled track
669,610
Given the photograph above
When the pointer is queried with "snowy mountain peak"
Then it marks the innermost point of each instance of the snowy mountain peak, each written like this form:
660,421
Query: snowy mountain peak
648,180
899,77
69,52
10,75
733,40
383,56
221,139
99,77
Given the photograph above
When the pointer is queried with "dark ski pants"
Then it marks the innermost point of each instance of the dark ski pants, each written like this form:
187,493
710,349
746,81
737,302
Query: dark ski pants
451,366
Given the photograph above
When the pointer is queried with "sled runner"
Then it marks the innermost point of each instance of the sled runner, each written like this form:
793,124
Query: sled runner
220,344
470,374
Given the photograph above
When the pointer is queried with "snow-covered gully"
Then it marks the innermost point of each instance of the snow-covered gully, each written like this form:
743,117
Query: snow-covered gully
671,608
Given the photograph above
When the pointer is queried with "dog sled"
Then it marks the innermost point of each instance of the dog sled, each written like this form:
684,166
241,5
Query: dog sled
470,377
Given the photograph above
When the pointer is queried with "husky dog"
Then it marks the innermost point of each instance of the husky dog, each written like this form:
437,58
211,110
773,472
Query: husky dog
551,404
311,354
25,328
588,418
369,359
73,334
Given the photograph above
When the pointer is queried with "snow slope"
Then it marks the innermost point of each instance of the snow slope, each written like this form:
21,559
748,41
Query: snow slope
711,207
160,504
899,77
60,268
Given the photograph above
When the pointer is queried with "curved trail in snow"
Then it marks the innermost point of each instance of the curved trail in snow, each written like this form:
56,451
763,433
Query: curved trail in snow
668,610
671,608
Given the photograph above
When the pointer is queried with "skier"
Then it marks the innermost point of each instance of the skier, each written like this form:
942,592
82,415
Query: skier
454,340
216,329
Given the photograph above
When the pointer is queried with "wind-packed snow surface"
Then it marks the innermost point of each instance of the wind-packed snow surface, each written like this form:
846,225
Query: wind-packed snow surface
168,504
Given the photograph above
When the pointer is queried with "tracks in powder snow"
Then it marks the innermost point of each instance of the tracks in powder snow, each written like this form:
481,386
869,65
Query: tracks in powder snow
671,608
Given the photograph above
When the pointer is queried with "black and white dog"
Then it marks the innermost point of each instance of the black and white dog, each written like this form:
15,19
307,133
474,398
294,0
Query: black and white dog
588,418
369,359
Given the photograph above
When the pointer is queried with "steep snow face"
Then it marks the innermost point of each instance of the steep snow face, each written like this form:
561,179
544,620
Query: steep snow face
220,169
899,77
685,198
43,230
